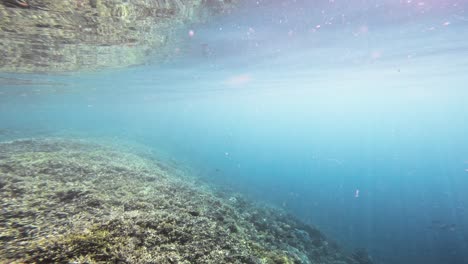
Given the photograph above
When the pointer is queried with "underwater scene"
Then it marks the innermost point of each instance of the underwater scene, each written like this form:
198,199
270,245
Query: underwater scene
234,131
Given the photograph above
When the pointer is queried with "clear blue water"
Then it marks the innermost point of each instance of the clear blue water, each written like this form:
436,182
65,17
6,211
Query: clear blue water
351,115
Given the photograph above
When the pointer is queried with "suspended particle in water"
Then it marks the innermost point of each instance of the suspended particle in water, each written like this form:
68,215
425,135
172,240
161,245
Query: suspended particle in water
364,29
375,55
356,193
191,33
250,31
239,80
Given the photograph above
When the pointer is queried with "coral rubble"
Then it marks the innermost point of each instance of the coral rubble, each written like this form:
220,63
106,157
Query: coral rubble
71,201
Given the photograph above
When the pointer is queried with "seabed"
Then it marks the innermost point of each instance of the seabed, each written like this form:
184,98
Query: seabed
76,201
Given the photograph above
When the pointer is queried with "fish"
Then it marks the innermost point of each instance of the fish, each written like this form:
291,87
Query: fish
17,3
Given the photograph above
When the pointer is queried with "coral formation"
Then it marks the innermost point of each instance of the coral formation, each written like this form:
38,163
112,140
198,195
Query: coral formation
72,201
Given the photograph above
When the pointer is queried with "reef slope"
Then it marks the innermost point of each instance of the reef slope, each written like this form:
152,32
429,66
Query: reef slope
71,201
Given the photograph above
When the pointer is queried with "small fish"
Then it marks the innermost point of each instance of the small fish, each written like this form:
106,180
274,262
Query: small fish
448,227
439,225
17,3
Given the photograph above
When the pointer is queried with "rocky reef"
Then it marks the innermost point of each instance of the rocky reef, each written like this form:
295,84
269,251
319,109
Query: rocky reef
72,201
71,35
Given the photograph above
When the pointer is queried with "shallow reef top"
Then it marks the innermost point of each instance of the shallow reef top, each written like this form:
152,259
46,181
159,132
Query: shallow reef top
72,201
61,36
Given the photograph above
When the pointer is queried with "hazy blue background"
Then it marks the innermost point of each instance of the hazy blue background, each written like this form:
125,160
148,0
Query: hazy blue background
299,103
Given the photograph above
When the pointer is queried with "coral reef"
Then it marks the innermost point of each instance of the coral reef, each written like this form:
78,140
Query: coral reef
70,35
72,201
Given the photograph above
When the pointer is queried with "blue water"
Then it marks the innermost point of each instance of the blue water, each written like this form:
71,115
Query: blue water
351,115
